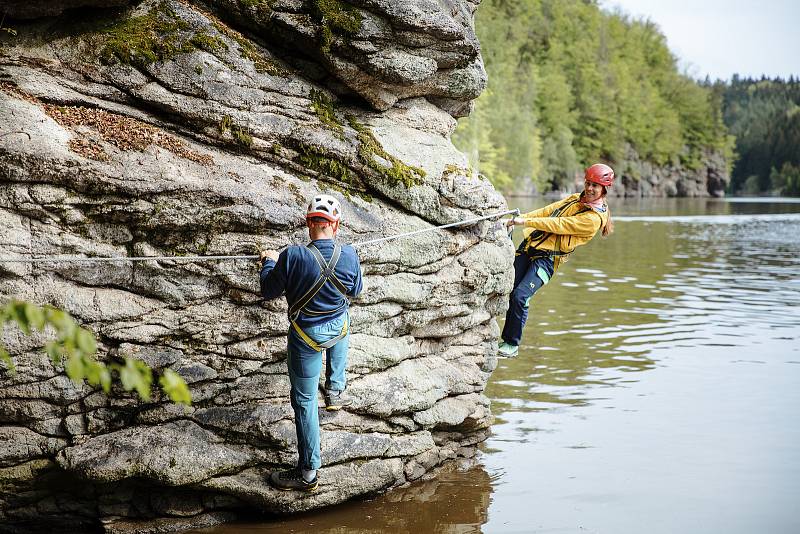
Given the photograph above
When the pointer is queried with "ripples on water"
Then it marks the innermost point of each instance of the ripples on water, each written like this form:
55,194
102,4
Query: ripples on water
674,285
658,382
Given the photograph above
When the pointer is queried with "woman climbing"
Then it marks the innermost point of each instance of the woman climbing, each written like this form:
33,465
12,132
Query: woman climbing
551,234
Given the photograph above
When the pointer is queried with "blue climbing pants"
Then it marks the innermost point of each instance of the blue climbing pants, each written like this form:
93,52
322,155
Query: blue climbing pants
529,276
305,365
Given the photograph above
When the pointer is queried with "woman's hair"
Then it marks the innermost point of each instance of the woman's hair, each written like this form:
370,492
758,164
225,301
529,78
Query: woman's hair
608,229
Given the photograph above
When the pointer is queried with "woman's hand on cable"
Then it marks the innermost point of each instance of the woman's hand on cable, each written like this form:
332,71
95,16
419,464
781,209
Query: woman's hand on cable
515,220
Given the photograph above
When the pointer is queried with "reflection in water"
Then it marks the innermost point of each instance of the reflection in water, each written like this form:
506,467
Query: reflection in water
455,502
657,390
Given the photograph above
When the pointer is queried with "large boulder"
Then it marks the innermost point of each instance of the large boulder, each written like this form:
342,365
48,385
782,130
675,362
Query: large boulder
169,128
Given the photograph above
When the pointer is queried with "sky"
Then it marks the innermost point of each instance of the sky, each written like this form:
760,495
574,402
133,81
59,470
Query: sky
721,37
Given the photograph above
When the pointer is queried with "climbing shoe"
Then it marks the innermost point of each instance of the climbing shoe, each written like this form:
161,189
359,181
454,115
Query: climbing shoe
507,350
336,400
292,480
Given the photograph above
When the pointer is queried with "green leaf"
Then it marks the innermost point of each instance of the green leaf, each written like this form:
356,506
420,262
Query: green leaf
61,321
175,387
127,375
136,375
53,350
74,368
18,315
84,340
105,379
34,315
5,357
76,347
93,369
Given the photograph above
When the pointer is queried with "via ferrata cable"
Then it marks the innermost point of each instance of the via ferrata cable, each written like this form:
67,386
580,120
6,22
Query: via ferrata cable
74,259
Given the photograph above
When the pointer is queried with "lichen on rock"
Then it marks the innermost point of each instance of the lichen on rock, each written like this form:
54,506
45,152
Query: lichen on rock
181,129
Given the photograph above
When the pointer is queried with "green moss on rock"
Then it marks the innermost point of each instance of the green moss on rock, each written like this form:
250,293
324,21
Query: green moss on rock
209,43
240,135
349,193
21,475
336,18
323,108
225,124
396,172
262,8
157,36
297,192
314,158
457,169
144,40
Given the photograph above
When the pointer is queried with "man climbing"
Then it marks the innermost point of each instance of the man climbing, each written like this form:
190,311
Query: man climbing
318,280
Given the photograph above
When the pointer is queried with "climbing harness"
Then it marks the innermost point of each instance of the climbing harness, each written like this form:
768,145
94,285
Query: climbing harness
326,274
529,248
74,259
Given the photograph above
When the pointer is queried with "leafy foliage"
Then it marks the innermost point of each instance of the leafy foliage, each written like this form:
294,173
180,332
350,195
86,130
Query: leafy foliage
570,85
764,115
786,180
75,348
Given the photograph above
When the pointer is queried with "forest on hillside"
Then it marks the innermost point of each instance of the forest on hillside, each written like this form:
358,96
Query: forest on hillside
764,116
571,84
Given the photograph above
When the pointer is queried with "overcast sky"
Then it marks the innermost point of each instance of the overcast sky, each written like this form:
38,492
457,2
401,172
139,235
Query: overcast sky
723,37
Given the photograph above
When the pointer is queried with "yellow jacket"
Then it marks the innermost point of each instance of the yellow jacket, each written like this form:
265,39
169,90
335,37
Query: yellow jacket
575,225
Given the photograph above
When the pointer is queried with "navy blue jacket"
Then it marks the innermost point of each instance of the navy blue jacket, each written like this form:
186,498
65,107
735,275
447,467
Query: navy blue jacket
297,270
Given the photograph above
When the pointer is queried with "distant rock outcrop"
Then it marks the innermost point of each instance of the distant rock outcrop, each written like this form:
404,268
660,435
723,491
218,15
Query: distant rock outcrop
638,178
174,128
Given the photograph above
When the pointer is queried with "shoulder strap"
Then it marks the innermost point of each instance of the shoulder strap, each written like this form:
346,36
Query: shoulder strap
326,273
329,269
540,235
557,212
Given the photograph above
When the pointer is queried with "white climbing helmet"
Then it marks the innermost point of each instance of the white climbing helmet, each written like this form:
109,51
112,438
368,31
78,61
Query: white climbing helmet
326,207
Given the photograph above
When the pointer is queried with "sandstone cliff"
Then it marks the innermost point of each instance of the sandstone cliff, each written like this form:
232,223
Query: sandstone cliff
182,128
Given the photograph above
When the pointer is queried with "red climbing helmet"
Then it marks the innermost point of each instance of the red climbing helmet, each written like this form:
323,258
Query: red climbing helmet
600,174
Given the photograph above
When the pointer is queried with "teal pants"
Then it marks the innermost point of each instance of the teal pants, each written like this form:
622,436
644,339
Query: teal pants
305,365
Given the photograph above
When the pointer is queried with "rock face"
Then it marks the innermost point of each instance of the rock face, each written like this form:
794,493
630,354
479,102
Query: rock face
643,179
175,128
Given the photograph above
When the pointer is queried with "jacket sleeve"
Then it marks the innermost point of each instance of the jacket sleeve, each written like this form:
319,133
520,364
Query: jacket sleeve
273,277
357,282
585,224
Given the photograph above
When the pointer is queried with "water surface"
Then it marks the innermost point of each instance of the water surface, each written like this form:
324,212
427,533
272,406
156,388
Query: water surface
657,390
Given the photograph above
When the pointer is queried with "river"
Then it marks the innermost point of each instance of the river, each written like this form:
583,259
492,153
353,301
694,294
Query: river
657,390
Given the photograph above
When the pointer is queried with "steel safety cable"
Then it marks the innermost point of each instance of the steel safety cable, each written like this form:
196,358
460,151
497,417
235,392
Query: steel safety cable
74,259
